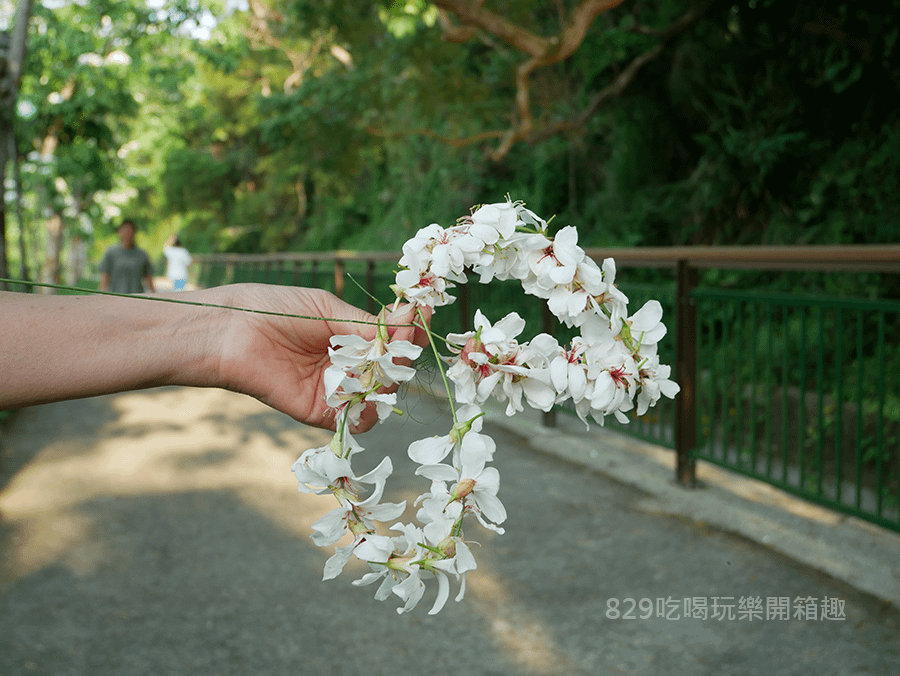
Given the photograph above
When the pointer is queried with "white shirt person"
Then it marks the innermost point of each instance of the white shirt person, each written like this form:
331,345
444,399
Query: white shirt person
177,262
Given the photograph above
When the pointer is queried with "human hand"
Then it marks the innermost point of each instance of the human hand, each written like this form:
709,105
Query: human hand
281,361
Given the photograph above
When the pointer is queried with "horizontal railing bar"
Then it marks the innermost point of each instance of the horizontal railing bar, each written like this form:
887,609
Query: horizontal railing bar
826,258
300,257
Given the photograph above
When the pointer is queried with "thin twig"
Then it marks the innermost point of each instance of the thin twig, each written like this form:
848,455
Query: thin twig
165,299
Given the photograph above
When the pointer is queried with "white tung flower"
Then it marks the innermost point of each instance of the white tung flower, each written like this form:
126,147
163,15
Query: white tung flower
646,327
476,373
654,380
372,361
614,301
354,514
369,547
473,484
444,253
423,287
493,223
565,276
399,574
613,374
433,450
459,562
568,372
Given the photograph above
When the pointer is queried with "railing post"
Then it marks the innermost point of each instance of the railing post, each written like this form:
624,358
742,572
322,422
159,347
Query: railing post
370,286
463,300
548,417
686,373
339,277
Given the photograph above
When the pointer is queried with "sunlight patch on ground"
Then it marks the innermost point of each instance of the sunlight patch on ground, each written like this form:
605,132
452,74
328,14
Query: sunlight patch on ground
158,445
526,639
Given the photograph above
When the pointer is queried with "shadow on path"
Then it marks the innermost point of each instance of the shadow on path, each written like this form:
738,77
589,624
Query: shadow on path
161,532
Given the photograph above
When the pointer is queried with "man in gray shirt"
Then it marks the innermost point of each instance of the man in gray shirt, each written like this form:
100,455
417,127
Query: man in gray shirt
126,268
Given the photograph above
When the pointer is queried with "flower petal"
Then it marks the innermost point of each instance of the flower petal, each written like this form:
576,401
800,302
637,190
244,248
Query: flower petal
443,593
430,451
438,472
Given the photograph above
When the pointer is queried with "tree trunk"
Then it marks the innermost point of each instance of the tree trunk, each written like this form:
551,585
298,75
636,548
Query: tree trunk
10,76
53,250
24,274
7,117
54,244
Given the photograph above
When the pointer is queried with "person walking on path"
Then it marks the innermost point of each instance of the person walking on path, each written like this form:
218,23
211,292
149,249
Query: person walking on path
126,268
178,259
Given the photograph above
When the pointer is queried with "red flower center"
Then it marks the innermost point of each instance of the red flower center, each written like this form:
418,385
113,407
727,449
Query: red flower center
618,376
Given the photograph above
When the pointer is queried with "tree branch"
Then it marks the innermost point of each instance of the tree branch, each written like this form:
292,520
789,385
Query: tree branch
455,142
613,90
474,15
451,32
544,52
263,17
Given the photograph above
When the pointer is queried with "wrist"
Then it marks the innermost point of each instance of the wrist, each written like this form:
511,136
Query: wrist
201,333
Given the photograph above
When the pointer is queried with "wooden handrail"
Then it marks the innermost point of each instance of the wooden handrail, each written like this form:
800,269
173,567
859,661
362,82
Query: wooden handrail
824,258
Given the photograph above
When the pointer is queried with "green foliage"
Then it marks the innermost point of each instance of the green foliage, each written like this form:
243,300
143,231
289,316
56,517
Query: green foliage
769,120
764,123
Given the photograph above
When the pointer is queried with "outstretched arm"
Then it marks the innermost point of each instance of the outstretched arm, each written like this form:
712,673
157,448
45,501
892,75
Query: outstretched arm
66,347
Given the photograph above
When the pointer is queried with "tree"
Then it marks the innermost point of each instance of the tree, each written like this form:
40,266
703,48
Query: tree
84,67
11,66
344,123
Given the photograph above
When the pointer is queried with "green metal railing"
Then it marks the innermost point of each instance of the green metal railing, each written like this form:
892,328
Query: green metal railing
800,392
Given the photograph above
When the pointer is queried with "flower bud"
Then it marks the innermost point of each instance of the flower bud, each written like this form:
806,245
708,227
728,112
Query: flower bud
459,429
367,379
473,344
357,527
447,547
396,562
337,445
463,488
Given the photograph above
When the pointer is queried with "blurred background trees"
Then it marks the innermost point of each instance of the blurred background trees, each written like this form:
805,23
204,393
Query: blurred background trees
273,125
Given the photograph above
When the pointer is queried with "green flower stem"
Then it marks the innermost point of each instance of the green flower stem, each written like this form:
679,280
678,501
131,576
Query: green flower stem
440,366
164,299
625,333
346,453
456,530
433,550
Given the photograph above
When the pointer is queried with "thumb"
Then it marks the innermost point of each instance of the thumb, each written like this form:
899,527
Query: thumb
413,316
358,321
